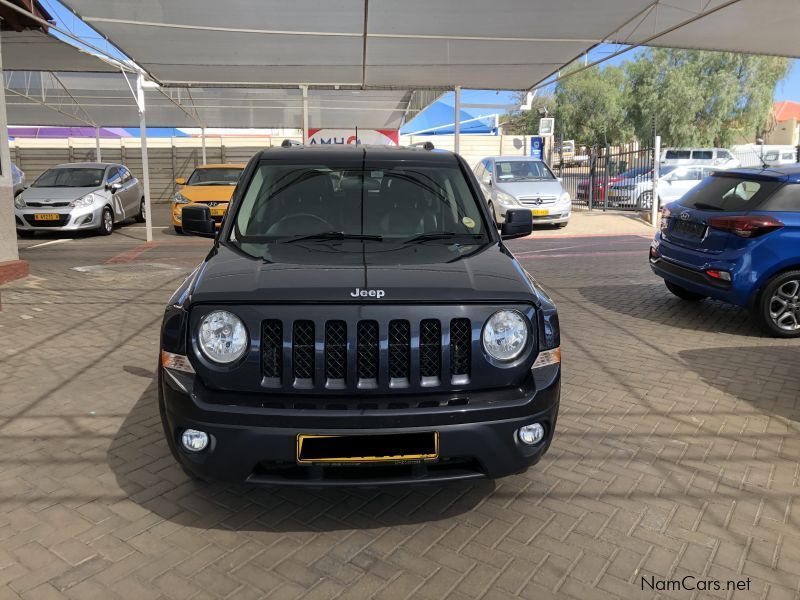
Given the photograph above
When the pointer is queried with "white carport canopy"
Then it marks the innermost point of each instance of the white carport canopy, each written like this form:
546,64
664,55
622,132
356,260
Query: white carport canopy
504,44
35,50
106,99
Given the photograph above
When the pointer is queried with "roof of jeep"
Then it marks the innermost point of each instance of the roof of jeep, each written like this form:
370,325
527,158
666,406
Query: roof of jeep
327,151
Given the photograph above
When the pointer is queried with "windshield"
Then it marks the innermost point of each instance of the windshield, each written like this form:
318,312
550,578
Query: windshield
392,201
521,170
214,176
70,177
729,193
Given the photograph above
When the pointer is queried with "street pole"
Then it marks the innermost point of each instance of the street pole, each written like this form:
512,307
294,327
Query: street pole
203,141
97,155
457,120
656,169
304,88
145,166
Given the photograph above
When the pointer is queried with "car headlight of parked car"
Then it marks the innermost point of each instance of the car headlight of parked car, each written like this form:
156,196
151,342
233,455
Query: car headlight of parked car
565,198
505,335
222,337
86,200
506,199
19,201
180,198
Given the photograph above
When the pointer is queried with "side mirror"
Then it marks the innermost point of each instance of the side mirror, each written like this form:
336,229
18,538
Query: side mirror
180,180
560,179
196,220
518,223
114,187
487,180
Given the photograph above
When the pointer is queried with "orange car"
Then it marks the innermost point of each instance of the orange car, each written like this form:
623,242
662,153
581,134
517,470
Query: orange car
211,185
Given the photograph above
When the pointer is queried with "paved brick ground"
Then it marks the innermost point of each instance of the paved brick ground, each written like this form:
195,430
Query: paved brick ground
676,454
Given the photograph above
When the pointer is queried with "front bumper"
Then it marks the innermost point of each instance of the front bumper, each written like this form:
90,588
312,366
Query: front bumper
556,215
258,446
75,219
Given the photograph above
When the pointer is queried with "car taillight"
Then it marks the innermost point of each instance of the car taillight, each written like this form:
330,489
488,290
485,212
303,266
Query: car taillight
748,226
665,213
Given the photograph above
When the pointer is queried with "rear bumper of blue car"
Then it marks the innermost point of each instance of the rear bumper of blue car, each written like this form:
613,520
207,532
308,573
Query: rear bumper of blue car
689,269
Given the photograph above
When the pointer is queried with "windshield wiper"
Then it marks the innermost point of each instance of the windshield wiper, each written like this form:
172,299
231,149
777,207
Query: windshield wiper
704,206
335,235
440,235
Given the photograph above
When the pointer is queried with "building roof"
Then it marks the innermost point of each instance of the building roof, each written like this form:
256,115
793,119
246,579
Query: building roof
785,110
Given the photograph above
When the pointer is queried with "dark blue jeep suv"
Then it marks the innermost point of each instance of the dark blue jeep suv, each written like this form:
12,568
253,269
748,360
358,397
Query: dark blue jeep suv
736,237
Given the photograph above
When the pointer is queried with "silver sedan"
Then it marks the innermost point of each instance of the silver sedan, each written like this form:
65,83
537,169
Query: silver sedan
79,196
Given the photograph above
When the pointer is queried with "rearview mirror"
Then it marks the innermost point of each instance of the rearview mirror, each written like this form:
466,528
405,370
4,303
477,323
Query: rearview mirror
180,180
518,223
196,220
114,187
486,180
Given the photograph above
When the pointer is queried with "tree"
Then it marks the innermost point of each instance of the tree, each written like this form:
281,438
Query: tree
526,122
590,106
701,98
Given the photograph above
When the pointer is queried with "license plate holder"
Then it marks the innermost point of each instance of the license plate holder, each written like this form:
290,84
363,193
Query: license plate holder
217,212
46,217
364,448
540,212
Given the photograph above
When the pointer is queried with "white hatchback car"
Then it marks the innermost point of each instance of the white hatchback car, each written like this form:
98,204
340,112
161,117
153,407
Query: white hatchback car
510,182
636,191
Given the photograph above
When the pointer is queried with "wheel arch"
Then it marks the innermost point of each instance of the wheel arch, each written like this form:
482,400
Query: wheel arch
780,269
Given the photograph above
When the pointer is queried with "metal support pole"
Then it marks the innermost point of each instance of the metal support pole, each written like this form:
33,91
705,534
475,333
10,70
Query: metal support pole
457,120
203,141
8,238
304,88
656,168
145,166
97,155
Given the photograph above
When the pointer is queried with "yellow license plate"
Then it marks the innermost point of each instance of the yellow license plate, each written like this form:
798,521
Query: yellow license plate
396,447
217,212
540,212
46,217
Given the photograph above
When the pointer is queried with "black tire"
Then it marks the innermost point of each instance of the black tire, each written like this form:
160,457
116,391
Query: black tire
25,234
106,226
142,216
178,229
683,293
778,306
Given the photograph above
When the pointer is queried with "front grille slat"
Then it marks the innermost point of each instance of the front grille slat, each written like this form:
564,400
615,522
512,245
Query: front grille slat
460,350
303,353
336,354
430,352
399,353
368,354
272,352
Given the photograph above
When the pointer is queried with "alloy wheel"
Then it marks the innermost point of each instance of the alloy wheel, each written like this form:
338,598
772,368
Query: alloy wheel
784,306
108,221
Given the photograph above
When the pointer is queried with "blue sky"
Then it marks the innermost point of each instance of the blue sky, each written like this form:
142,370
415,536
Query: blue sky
788,89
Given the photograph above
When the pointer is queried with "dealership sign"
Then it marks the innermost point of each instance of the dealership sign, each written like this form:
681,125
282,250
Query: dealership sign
379,137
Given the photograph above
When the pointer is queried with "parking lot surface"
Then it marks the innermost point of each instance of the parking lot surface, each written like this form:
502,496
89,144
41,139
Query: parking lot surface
676,453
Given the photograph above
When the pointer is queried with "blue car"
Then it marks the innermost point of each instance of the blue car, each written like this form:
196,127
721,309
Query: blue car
736,237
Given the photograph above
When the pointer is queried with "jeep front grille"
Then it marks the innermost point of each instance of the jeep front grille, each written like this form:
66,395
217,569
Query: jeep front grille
393,354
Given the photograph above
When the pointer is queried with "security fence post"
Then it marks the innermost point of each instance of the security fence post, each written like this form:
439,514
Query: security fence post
656,168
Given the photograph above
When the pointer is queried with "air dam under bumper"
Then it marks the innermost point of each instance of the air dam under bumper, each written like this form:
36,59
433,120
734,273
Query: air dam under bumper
266,455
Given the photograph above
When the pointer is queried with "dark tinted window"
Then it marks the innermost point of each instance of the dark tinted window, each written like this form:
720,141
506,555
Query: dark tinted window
702,154
114,176
675,154
786,199
729,194
126,175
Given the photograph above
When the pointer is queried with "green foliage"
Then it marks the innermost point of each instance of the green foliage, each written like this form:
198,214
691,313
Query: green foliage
696,99
526,122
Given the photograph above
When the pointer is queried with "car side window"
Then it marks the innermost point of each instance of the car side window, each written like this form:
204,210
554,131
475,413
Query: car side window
113,175
683,174
786,199
702,154
126,175
488,165
480,171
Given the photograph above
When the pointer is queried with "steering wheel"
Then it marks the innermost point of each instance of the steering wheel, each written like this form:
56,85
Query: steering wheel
303,219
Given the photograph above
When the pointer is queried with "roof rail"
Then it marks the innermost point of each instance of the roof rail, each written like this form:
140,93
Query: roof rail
287,143
424,145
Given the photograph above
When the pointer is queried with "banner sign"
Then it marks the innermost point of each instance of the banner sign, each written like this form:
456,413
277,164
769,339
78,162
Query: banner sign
379,137
537,147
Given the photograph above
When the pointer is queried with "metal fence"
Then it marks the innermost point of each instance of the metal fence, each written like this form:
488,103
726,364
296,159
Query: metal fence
606,178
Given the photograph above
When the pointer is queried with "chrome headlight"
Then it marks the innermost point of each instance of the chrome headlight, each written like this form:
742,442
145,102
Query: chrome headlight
507,199
505,335
180,198
87,200
222,337
19,201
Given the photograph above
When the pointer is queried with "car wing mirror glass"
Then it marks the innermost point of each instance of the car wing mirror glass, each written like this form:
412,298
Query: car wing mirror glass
196,220
180,180
518,223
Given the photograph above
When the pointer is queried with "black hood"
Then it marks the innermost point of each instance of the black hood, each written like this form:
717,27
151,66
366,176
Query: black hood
331,272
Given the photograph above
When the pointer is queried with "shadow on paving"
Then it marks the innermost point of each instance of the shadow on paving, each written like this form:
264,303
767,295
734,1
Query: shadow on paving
764,377
147,473
653,302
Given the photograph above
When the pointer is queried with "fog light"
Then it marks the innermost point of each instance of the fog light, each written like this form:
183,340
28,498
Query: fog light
86,219
531,434
194,441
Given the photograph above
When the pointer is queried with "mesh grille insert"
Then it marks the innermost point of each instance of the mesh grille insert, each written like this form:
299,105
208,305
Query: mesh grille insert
272,348
336,350
430,348
460,347
367,349
399,350
303,349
